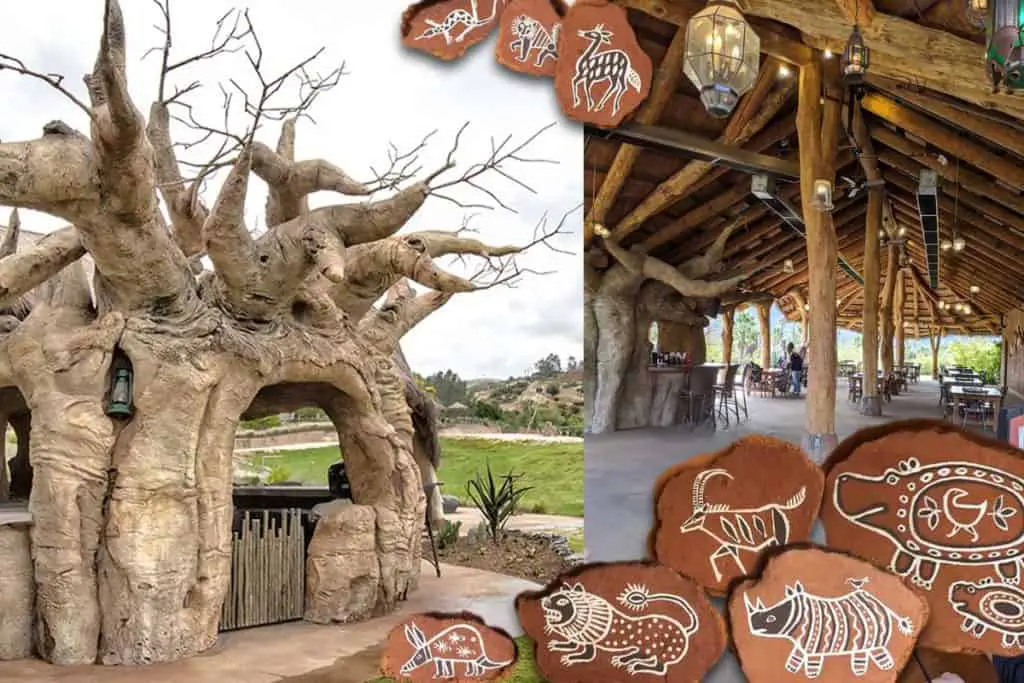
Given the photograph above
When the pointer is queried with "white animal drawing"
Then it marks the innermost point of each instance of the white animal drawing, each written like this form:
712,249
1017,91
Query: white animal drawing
595,65
988,604
856,625
738,529
956,513
468,19
530,35
643,644
457,644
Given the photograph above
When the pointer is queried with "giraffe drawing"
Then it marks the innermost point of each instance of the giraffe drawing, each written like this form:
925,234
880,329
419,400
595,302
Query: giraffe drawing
468,19
596,65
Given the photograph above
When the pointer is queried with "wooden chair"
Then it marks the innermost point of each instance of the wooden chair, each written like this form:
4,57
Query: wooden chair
699,397
856,388
725,395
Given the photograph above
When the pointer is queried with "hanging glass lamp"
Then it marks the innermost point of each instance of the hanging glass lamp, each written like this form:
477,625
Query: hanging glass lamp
976,12
723,56
856,58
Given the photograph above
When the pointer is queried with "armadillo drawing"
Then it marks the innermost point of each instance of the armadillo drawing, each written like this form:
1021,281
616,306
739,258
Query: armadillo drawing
461,644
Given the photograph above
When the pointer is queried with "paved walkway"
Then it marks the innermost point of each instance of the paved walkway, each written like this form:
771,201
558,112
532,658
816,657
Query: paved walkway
471,517
620,469
275,653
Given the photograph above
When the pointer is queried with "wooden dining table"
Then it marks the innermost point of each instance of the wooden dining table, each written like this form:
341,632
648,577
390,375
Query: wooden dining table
960,393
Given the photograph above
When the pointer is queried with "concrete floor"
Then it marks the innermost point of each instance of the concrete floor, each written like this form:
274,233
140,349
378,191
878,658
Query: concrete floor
620,469
328,654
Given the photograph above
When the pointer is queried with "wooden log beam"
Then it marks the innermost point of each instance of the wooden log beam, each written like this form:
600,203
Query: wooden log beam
757,108
773,43
857,11
963,116
900,49
764,310
685,223
934,133
965,177
898,302
666,80
727,325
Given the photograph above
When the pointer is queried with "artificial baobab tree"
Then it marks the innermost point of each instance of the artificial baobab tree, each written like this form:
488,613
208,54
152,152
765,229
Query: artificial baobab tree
132,507
624,292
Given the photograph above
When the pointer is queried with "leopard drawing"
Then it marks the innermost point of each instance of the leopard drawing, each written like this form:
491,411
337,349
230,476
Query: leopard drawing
584,624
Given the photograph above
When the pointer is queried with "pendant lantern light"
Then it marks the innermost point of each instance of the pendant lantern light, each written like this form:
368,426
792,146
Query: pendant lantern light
723,56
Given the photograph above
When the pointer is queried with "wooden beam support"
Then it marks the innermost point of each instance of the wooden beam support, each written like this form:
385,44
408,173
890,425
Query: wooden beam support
936,134
857,12
764,309
757,108
666,80
727,324
960,115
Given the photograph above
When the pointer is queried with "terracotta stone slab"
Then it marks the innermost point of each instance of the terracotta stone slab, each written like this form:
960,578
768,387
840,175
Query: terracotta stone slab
944,509
715,514
528,36
622,621
813,613
458,648
602,74
447,28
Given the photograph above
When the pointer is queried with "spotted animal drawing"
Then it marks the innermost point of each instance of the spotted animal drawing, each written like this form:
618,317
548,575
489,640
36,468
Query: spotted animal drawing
458,645
955,513
585,624
458,23
594,65
530,36
989,605
857,625
738,530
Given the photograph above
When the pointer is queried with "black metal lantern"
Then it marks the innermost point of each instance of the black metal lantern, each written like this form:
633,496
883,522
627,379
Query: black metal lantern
120,403
976,12
856,58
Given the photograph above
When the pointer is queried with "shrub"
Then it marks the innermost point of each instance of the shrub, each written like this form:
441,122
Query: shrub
448,534
552,390
268,422
496,502
486,411
310,414
279,473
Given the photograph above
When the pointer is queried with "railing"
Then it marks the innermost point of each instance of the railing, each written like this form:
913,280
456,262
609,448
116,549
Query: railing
268,570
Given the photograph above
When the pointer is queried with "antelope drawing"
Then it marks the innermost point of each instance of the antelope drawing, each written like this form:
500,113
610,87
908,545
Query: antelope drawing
856,625
458,644
596,65
738,529
469,19
531,35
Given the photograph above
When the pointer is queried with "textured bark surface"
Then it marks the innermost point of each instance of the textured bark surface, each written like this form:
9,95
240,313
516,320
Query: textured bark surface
17,593
342,573
620,304
131,540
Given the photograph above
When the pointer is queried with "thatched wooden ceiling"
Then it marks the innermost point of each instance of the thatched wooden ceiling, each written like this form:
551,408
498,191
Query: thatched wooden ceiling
929,105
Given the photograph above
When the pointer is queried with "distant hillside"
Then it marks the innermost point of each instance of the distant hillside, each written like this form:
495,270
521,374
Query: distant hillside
521,393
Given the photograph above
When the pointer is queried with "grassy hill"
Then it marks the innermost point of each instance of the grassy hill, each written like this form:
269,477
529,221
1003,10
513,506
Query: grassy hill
524,393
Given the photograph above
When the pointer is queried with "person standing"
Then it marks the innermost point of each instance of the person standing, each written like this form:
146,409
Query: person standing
796,368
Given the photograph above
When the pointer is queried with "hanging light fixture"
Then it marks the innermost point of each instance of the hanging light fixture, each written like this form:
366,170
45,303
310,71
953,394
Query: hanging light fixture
942,305
975,289
966,308
1003,50
787,266
959,243
946,245
723,56
856,55
976,13
822,195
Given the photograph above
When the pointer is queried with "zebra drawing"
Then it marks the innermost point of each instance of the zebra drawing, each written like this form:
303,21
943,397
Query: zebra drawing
596,65
748,529
531,35
856,625
468,19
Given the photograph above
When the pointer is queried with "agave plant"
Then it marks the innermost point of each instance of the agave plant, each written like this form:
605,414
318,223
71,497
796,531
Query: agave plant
497,502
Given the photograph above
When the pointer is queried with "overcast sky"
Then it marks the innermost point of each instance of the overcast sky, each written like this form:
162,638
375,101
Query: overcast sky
389,94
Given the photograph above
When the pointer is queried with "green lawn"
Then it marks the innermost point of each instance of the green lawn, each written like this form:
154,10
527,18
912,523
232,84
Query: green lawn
524,672
554,470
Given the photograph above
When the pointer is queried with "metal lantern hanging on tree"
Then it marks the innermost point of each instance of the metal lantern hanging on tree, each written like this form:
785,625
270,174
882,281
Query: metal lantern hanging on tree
976,12
1004,53
856,58
723,56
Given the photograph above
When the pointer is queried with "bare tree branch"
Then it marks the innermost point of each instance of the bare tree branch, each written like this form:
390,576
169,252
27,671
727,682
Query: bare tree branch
402,310
55,81
10,243
22,272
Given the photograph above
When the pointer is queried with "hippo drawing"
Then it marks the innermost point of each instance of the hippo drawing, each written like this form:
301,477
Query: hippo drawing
986,605
956,513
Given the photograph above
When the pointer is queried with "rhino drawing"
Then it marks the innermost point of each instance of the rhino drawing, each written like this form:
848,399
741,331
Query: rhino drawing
856,624
956,513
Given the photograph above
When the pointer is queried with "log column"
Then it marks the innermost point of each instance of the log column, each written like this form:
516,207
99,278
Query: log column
935,340
886,312
899,299
817,130
871,402
727,322
764,310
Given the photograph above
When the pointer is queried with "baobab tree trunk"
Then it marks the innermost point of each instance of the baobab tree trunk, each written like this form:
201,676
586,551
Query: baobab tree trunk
623,304
132,514
871,402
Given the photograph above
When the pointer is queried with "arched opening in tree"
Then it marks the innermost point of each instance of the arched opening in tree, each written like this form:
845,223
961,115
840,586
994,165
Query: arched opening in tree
132,514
